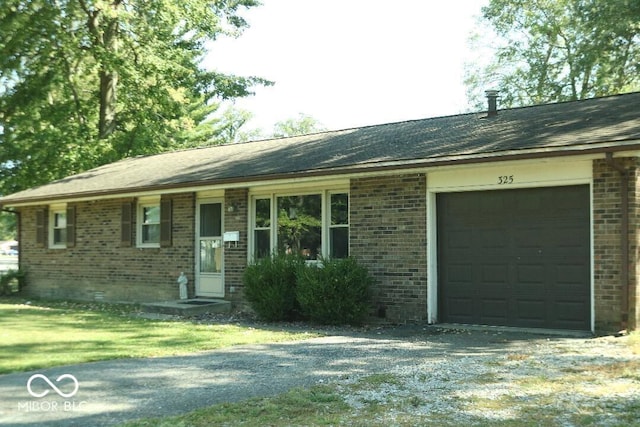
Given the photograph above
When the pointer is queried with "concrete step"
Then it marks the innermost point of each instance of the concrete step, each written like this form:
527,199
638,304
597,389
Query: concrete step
188,307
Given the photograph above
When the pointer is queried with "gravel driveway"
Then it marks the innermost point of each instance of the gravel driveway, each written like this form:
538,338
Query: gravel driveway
437,367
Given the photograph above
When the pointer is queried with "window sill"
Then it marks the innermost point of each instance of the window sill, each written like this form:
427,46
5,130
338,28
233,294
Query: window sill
148,246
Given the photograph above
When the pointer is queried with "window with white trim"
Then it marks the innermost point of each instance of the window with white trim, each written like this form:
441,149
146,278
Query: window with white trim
299,225
262,228
58,227
148,229
313,225
339,225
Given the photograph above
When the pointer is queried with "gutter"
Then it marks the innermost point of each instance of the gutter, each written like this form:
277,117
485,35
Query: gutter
381,166
624,237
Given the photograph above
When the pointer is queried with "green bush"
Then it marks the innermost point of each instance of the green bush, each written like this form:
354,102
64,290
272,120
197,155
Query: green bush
270,284
335,292
11,281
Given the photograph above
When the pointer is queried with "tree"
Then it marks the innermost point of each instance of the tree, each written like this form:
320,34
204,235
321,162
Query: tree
230,127
559,50
7,226
301,125
87,82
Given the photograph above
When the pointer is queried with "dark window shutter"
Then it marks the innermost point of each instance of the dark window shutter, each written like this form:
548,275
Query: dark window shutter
41,227
71,226
126,224
165,222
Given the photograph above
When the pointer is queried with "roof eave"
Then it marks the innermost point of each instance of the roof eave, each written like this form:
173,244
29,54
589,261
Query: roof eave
378,166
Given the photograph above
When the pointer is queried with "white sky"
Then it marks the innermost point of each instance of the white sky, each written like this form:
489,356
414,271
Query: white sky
351,63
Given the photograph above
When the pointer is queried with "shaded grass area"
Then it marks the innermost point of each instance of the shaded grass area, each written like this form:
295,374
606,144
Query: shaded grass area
319,405
44,334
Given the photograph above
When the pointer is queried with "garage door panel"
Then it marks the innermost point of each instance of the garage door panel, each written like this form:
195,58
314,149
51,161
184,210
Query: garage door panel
459,239
494,273
460,273
569,237
490,205
494,311
491,238
526,253
529,237
530,274
461,310
572,274
529,311
570,314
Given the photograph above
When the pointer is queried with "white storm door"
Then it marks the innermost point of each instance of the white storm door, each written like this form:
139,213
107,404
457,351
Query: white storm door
209,249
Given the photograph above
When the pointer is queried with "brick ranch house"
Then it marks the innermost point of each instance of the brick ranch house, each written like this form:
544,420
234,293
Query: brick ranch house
523,217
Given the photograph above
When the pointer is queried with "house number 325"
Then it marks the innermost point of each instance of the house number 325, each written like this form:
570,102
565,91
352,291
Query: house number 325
505,179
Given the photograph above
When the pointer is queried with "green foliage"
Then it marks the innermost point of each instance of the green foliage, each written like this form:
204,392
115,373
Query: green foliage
336,292
557,50
269,285
301,125
11,282
87,82
285,287
7,226
229,127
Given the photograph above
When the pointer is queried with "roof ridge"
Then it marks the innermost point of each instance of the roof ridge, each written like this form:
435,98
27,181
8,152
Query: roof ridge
595,98
399,122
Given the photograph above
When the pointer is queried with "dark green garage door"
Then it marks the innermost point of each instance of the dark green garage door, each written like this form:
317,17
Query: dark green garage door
515,257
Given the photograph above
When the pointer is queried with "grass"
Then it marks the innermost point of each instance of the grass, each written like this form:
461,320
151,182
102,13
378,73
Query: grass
46,334
541,400
319,405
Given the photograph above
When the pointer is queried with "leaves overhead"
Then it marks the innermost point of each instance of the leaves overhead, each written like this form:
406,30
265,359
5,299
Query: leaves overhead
87,82
302,125
558,50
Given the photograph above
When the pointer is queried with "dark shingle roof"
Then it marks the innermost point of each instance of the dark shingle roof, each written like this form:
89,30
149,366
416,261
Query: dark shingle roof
608,123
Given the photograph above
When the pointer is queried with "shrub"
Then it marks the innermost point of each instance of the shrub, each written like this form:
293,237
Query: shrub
11,281
335,292
270,285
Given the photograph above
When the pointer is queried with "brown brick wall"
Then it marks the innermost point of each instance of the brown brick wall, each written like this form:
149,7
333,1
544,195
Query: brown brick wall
388,235
235,256
609,290
99,263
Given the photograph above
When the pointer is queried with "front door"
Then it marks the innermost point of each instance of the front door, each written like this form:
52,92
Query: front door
209,249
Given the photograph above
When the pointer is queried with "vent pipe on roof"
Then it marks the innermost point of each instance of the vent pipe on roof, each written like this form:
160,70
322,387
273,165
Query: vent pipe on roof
492,99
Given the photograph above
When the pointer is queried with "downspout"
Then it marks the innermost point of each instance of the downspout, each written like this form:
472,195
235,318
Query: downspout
624,237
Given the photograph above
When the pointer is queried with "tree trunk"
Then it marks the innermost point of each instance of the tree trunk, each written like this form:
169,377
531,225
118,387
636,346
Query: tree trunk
108,82
107,122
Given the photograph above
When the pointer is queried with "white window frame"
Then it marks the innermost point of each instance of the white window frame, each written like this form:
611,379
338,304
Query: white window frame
53,211
333,226
252,223
273,197
151,202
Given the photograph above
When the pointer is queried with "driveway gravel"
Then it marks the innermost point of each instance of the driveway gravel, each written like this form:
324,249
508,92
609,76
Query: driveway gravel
438,368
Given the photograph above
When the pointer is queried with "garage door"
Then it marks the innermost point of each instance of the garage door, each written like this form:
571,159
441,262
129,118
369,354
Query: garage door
515,257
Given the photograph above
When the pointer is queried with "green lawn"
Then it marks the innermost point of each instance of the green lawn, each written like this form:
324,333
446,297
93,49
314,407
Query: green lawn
45,334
